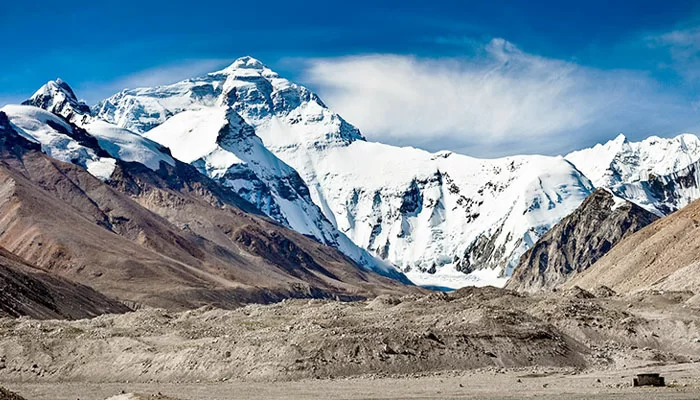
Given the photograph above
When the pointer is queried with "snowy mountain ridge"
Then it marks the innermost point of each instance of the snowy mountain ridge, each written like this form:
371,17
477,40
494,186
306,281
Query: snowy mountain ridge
57,97
444,219
233,156
656,173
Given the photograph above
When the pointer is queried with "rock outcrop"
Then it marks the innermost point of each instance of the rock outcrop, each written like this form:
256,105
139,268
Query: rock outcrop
578,241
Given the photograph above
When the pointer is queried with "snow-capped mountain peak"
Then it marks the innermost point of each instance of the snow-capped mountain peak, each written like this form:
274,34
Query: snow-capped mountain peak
620,139
620,160
645,172
213,122
247,62
283,113
444,218
247,66
61,137
58,97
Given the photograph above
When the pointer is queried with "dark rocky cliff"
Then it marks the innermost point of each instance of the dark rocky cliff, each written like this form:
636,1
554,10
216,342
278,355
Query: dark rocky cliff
578,241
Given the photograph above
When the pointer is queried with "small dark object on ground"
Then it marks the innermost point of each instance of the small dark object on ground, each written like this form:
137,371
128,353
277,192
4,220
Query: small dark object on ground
8,395
649,380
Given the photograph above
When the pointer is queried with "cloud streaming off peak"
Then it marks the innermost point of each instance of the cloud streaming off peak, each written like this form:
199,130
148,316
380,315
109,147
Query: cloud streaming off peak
501,96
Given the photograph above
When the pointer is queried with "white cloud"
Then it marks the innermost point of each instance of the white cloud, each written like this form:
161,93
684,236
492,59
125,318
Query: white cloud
95,91
684,48
502,100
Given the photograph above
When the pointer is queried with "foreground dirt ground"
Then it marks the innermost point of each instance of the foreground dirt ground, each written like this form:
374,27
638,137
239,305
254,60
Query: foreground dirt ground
683,379
478,343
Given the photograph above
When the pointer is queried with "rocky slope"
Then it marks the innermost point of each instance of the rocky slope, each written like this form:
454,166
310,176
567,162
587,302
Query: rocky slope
167,237
407,336
663,256
25,290
578,241
659,175
8,395
444,219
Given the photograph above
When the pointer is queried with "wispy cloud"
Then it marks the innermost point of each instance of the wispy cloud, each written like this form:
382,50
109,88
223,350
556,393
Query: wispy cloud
684,48
501,100
165,74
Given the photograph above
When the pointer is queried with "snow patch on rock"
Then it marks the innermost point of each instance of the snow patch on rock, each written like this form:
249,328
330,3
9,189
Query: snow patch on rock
658,174
53,133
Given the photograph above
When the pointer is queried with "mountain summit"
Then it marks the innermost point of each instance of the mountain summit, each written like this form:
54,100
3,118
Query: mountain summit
57,97
245,62
445,219
215,123
101,206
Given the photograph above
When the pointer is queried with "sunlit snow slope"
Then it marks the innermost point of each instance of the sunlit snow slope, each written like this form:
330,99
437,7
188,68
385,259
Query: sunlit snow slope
659,174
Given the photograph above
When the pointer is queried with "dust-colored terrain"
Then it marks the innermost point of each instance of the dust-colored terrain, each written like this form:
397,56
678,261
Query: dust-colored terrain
388,347
535,383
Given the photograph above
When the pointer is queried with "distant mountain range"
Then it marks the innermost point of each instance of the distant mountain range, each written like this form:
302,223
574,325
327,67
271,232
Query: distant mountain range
178,182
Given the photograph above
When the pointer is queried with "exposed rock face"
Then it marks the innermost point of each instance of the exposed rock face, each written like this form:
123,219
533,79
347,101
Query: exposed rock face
662,256
26,290
578,241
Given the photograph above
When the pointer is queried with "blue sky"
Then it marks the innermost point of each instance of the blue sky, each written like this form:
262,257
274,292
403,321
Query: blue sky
484,78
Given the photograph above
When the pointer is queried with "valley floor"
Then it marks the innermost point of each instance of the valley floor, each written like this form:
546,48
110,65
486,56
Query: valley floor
471,343
683,379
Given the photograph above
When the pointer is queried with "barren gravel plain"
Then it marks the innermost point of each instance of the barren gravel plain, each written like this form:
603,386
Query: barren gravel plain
473,343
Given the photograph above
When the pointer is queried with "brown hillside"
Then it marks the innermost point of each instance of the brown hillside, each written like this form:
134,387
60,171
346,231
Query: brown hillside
27,291
664,255
168,239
